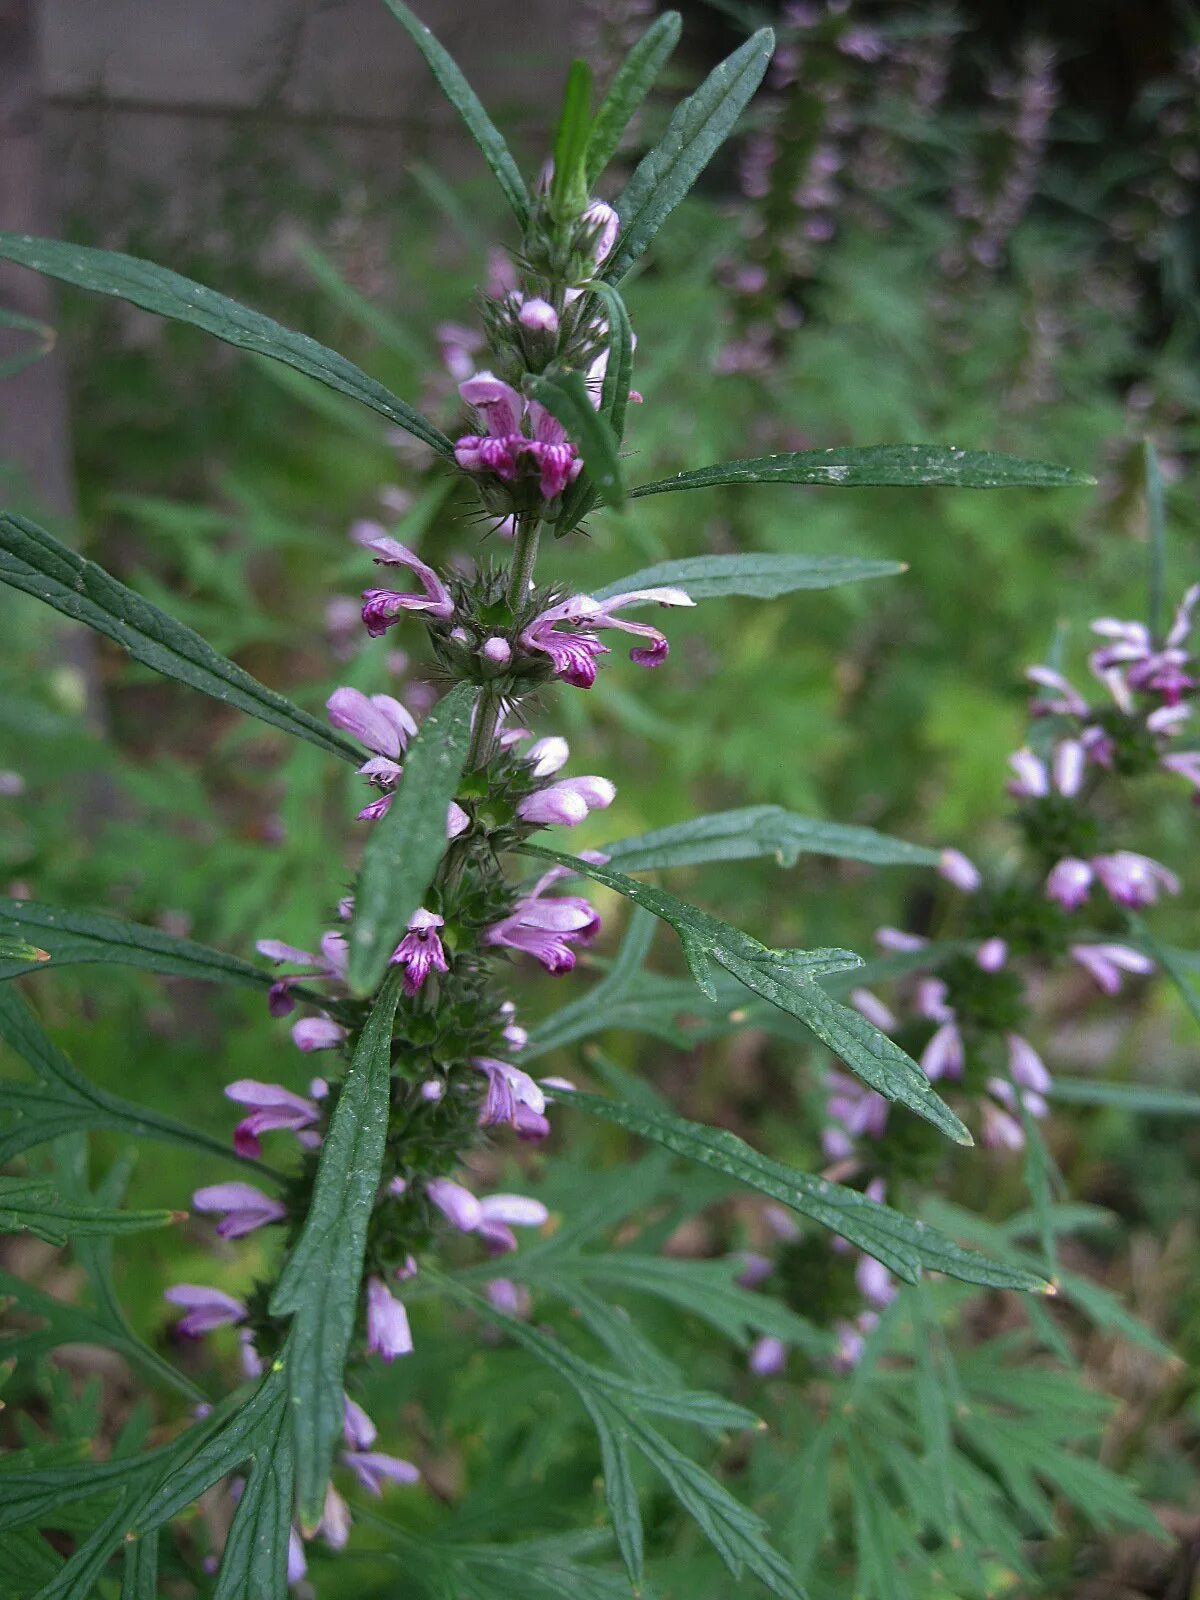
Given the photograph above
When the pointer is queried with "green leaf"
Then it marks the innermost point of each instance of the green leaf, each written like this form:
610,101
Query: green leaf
1175,963
78,938
139,1573
320,1282
619,1410
29,955
754,831
255,1559
65,1101
904,1246
784,978
45,338
31,1205
167,294
634,80
569,185
1147,1099
470,108
582,496
699,127
565,396
899,466
407,843
760,577
34,561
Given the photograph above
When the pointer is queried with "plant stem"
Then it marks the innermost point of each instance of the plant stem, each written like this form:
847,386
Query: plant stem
483,735
529,528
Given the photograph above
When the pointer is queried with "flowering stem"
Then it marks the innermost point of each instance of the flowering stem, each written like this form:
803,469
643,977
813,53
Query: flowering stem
529,528
483,736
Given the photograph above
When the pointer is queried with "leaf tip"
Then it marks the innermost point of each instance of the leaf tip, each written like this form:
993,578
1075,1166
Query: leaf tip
1050,1289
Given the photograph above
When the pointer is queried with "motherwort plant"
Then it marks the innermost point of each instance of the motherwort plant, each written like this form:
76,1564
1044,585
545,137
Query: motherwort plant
407,999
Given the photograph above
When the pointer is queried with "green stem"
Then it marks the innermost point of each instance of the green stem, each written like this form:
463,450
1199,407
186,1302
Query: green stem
529,530
483,735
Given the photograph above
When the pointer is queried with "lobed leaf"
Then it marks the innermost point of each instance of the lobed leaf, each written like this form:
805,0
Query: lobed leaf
32,1205
786,979
320,1282
469,107
168,294
255,1558
752,831
34,561
634,80
897,466
903,1245
565,396
757,576
64,1101
407,843
696,131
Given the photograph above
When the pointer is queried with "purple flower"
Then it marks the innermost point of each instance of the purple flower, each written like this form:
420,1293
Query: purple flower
538,316
607,224
860,1111
317,1033
768,1356
1184,765
957,869
872,1007
567,802
507,1296
374,1469
1069,882
943,1056
931,1000
496,651
205,1308
1107,963
296,1564
546,929
245,1207
334,1526
383,607
378,721
574,654
272,1107
875,1282
992,954
753,1269
1069,702
898,940
458,1205
1134,880
547,756
505,446
501,1213
1026,1066
1001,1131
388,1333
420,952
512,1097
359,1431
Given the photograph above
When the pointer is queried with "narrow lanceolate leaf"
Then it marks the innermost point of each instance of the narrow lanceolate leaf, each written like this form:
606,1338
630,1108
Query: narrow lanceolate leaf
762,831
1147,1099
255,1559
41,345
30,1205
470,108
407,843
320,1283
582,495
167,294
139,1571
64,1101
895,466
21,951
78,938
904,1246
33,560
635,78
786,979
568,185
699,127
565,396
761,577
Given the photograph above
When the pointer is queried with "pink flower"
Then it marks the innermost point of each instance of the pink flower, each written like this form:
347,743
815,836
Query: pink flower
504,447
272,1108
383,607
545,928
317,1033
245,1207
334,1526
205,1308
359,1431
378,721
875,1282
1001,1131
768,1356
538,316
1069,882
547,756
943,1056
1134,880
872,1007
574,654
501,1213
898,940
961,872
374,1469
991,955
420,952
458,1205
606,224
388,1333
1026,1066
512,1097
1107,963
1069,701
567,802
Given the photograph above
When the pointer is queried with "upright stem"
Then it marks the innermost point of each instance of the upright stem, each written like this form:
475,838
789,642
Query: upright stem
483,735
529,529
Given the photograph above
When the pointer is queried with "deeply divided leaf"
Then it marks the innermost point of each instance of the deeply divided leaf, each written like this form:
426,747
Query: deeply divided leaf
752,831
